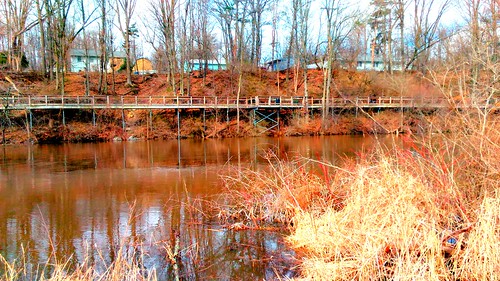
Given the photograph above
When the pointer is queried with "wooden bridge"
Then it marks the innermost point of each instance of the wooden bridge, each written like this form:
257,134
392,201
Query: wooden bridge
270,102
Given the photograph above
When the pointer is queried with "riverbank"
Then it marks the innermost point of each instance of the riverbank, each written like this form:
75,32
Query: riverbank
108,125
48,127
429,211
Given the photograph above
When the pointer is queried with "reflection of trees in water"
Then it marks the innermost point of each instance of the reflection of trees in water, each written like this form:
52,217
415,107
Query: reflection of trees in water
96,203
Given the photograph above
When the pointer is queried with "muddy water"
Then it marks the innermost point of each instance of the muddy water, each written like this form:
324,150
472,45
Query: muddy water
94,202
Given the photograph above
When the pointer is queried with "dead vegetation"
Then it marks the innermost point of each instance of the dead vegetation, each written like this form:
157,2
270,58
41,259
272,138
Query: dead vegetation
224,83
429,211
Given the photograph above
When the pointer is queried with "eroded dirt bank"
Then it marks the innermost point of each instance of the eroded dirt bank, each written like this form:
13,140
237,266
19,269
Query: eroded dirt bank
106,125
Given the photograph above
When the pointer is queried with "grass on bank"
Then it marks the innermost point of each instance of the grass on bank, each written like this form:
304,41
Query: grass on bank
126,267
429,211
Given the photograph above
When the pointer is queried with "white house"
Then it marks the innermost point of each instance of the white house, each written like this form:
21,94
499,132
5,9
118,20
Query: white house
79,59
365,63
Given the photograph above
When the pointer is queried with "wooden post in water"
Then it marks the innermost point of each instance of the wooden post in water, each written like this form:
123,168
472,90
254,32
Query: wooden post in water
93,117
150,122
178,123
123,120
204,122
278,119
29,123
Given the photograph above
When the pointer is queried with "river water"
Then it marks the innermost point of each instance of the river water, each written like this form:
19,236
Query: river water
93,202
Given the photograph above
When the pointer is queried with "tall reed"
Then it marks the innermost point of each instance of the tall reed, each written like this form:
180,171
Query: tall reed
428,211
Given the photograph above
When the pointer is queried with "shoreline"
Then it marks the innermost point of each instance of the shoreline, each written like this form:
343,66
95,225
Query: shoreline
163,125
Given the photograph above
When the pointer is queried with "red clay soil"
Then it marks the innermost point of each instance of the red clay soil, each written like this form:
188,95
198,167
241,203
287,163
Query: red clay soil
225,83
49,128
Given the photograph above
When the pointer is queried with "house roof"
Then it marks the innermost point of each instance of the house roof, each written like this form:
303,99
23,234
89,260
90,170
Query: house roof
94,53
280,60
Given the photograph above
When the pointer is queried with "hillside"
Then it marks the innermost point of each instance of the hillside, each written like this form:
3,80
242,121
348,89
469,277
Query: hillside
54,126
223,84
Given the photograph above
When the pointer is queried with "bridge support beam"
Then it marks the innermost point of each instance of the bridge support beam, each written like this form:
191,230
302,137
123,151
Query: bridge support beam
265,120
123,120
149,123
204,121
178,124
29,123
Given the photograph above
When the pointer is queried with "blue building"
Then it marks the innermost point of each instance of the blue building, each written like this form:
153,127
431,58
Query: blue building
199,64
280,64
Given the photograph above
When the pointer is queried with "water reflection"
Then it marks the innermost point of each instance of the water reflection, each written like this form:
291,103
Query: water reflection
88,200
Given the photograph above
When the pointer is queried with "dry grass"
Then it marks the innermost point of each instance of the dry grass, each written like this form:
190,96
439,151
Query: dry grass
272,196
430,211
126,267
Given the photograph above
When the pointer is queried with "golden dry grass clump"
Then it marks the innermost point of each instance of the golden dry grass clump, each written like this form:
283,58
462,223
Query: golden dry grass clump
390,227
126,267
418,213
270,196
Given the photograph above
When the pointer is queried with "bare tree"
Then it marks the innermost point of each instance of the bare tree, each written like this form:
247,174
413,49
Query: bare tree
340,22
426,23
164,22
16,13
60,37
258,7
204,48
104,7
125,10
303,10
401,6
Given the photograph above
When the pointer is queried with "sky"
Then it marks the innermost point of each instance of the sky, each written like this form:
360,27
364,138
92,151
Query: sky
143,6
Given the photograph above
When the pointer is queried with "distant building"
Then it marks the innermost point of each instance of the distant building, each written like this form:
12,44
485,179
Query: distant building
79,59
280,64
199,64
364,62
143,66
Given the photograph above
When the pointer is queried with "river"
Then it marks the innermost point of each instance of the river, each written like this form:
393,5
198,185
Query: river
93,202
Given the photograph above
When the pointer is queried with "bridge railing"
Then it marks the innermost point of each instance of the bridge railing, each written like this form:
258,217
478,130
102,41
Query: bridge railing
231,102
